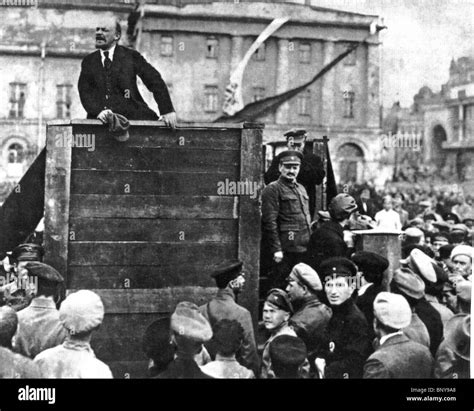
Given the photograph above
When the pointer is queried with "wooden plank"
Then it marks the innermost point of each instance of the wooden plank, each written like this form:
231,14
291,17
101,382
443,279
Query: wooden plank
152,230
143,253
23,209
163,300
142,183
249,218
56,210
161,125
151,206
195,139
164,274
162,159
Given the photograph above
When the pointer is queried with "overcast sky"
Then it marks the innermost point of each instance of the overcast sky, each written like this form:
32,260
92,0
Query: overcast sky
422,37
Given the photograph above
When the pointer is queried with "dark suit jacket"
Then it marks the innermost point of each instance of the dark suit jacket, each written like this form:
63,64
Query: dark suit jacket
399,357
432,319
371,208
125,98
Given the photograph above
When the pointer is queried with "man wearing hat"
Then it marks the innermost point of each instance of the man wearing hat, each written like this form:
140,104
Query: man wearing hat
189,330
413,235
312,168
13,365
439,239
39,326
451,218
277,310
311,316
328,240
287,354
453,356
396,356
422,265
286,219
81,313
347,343
412,288
230,280
372,267
461,259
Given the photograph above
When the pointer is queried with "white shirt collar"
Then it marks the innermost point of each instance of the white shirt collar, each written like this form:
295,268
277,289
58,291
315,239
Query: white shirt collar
386,337
111,54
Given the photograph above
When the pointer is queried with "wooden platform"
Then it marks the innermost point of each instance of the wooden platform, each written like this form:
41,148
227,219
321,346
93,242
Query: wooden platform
142,222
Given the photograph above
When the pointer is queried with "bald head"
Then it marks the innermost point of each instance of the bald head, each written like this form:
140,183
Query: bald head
107,33
8,325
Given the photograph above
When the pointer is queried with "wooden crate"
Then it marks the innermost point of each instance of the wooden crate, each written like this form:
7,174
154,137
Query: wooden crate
142,222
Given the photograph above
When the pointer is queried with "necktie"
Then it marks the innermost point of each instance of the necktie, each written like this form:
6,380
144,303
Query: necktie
108,79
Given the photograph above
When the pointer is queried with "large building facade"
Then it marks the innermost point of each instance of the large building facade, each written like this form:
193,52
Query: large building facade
196,45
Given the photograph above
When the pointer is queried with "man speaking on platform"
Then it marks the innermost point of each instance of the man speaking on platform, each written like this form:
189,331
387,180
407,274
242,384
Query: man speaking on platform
108,81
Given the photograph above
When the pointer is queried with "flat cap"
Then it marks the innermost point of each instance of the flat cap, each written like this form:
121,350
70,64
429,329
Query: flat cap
28,252
413,232
227,271
81,311
289,351
421,264
441,237
307,276
392,310
429,216
290,157
442,226
369,261
451,216
295,133
462,249
445,251
188,322
408,283
43,271
458,335
463,290
460,227
337,266
416,221
279,299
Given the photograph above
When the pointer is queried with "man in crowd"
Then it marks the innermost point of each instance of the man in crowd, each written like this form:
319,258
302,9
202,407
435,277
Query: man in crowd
312,169
365,205
396,355
157,346
347,337
461,258
328,240
230,281
39,326
108,80
285,218
287,354
13,365
81,313
388,219
189,330
311,316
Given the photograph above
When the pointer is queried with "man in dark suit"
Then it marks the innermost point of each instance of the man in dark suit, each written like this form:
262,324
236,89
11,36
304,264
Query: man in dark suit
365,205
108,81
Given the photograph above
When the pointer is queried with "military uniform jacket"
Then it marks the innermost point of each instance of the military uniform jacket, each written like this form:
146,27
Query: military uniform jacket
399,357
310,322
285,216
347,343
14,365
223,306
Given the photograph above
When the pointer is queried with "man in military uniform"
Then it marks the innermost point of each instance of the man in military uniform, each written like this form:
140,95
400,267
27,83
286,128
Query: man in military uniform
312,169
230,280
286,221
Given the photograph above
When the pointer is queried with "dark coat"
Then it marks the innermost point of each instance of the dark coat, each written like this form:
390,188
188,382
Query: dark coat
311,174
450,366
371,208
365,303
327,241
432,319
183,368
348,336
310,322
127,65
285,217
399,357
223,306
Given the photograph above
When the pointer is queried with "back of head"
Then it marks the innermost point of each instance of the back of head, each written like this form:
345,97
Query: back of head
190,328
157,343
8,325
287,354
342,206
228,336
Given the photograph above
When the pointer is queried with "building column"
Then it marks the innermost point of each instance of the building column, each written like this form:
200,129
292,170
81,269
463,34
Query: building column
329,89
236,52
461,123
373,85
282,80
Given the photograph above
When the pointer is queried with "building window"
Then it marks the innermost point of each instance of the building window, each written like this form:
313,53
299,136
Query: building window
212,48
348,104
305,53
350,59
166,46
259,54
17,100
304,101
258,93
211,99
63,100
